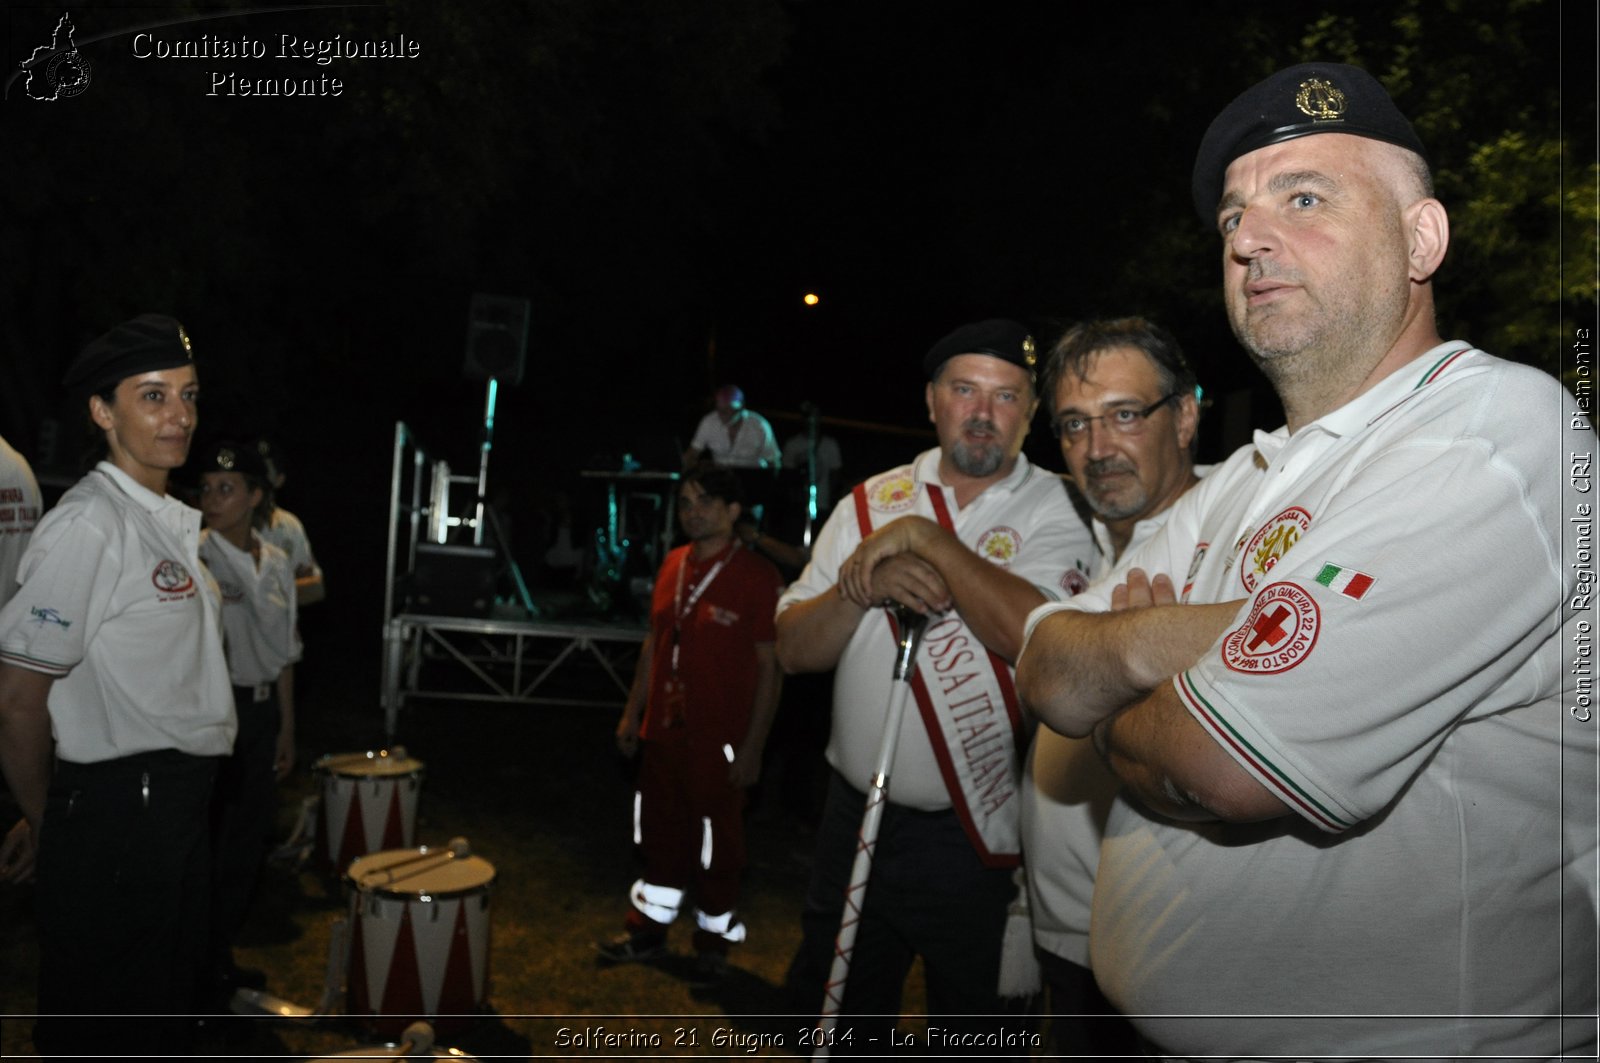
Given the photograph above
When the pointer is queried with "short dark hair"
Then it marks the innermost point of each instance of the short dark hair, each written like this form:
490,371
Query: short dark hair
717,482
96,448
1075,350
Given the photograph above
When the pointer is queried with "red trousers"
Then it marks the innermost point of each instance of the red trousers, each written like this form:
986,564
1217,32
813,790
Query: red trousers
691,822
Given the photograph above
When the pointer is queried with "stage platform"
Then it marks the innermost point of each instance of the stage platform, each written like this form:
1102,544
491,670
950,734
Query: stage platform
509,661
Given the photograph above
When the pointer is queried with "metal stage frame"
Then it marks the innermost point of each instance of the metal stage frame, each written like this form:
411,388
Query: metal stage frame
499,660
509,659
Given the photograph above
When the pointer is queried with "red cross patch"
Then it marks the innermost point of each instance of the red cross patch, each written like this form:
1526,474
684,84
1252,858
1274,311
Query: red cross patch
1277,635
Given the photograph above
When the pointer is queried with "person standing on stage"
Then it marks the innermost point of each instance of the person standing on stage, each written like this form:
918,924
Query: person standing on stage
258,617
1004,537
115,708
733,435
701,705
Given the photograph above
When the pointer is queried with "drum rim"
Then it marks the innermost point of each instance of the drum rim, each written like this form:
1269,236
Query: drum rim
388,889
381,767
425,896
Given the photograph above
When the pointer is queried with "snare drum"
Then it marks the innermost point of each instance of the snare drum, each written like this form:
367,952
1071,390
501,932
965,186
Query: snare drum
369,802
420,939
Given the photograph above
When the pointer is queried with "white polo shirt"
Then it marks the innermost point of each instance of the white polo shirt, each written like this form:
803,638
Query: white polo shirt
258,608
115,604
1395,677
1025,521
1066,799
285,531
753,446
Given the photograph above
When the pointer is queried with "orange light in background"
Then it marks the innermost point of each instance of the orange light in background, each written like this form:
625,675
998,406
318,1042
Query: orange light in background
811,299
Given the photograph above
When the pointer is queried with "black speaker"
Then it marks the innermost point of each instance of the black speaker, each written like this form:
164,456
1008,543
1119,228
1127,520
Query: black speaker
453,580
497,337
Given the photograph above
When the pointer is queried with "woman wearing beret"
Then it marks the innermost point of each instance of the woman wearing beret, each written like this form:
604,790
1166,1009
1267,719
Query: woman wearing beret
258,618
115,708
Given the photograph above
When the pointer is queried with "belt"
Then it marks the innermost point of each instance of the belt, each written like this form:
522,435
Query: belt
255,693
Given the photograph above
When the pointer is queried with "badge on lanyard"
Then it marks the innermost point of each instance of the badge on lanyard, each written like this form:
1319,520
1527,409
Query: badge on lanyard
674,690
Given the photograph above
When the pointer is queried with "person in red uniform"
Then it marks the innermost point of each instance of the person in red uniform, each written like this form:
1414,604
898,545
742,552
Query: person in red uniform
702,702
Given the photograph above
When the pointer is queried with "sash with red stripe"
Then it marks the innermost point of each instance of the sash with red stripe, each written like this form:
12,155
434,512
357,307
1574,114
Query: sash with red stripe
969,707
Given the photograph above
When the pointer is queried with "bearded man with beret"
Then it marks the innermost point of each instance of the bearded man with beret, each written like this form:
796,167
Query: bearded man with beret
972,535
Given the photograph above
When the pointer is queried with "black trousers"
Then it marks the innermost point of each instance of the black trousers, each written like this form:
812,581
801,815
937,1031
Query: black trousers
929,896
122,896
242,814
1083,1023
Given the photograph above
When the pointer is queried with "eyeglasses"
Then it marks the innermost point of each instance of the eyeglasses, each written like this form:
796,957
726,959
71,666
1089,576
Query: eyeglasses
1129,422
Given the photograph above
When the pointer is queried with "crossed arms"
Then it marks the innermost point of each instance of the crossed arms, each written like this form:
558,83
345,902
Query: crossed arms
1107,675
1101,674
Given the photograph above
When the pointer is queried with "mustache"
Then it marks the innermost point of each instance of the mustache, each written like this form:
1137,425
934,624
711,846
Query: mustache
980,424
1108,465
1264,269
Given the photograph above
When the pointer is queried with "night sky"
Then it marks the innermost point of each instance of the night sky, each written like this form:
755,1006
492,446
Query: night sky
664,180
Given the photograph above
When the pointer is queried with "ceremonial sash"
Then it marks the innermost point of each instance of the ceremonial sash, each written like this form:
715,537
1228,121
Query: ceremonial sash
967,701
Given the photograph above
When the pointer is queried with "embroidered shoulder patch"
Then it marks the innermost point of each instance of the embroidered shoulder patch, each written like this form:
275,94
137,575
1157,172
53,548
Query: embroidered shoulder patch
1347,581
893,492
1276,538
1000,545
1278,634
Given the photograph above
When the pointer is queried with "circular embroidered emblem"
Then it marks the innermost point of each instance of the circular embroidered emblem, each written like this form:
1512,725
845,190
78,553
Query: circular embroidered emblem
1276,538
171,578
893,492
1074,582
1277,635
1000,545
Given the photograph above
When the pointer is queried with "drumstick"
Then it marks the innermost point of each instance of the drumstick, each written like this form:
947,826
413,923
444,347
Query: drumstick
383,876
417,1038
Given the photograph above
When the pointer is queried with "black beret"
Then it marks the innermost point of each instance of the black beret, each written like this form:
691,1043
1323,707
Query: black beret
228,456
148,342
998,337
1297,102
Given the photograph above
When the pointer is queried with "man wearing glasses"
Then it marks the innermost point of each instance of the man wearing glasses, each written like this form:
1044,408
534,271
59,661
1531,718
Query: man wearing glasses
1125,410
1123,403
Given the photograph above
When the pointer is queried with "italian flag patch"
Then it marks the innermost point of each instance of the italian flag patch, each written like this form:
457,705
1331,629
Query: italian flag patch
1347,581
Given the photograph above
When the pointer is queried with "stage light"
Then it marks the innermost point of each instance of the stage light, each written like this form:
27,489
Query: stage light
812,299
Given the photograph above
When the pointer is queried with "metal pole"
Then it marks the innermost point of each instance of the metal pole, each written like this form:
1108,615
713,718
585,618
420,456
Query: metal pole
910,624
483,460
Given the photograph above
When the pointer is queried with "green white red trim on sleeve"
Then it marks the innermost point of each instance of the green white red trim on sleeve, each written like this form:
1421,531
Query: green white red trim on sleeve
35,664
1268,773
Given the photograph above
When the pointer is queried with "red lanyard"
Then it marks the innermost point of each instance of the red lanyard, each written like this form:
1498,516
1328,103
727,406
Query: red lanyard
680,608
